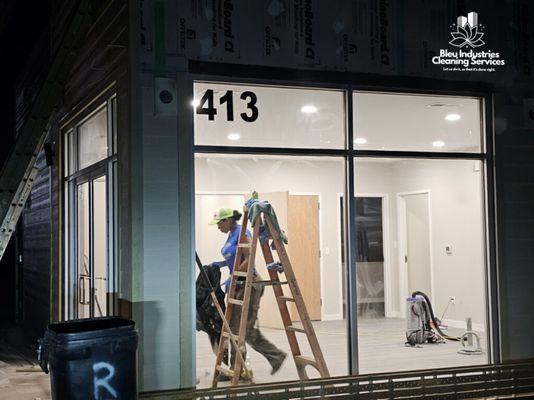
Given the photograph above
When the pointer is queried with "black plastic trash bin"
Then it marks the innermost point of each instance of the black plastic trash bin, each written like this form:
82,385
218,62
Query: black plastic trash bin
91,359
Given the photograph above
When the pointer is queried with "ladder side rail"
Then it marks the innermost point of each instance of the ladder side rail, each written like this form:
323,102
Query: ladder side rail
284,312
248,288
16,174
299,301
230,309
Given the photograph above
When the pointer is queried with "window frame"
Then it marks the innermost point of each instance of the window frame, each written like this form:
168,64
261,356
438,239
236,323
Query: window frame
69,180
351,83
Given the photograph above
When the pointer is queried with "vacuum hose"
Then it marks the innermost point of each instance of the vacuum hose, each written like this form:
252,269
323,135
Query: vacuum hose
436,325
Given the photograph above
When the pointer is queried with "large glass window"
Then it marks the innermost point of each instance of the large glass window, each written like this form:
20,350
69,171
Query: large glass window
89,171
386,121
420,228
264,116
413,222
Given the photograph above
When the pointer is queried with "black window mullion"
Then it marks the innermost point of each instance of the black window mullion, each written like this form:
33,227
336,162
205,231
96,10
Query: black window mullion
350,247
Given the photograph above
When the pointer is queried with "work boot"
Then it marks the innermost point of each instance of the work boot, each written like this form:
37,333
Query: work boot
276,364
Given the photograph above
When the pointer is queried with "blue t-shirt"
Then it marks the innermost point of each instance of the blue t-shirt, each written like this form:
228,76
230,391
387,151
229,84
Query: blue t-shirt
229,250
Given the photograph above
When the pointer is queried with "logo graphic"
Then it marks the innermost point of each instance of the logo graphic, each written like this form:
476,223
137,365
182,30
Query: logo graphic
468,32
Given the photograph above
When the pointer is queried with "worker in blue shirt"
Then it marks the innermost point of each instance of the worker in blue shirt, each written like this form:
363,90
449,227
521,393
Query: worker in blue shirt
226,220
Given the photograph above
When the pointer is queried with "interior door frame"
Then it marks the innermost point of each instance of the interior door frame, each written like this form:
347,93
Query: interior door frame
401,243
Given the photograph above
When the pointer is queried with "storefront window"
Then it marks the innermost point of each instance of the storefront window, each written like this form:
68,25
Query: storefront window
405,222
419,228
384,121
264,116
304,192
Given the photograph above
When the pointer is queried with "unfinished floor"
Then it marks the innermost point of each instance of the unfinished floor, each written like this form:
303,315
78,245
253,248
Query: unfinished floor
381,344
20,376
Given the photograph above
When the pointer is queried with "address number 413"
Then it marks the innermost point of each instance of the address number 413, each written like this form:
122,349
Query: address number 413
207,107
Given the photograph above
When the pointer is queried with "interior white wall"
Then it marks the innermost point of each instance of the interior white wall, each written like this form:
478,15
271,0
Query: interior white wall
456,208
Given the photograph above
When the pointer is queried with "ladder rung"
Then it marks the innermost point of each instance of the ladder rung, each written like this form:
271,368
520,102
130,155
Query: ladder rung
245,245
305,360
295,329
286,298
235,301
227,335
269,283
241,273
225,371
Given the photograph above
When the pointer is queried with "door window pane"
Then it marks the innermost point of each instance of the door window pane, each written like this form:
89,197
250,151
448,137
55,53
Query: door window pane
93,139
264,116
416,123
100,241
84,251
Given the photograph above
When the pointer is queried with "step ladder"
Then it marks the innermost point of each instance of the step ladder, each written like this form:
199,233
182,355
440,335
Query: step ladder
19,171
249,249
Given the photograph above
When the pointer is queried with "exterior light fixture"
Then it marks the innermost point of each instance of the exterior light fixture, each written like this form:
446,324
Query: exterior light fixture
452,117
308,109
233,136
360,140
438,143
195,102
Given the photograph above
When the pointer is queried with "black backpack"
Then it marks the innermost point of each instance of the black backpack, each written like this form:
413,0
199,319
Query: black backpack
208,319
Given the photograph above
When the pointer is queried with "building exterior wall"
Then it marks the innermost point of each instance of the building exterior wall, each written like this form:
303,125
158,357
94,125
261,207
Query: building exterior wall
374,44
142,45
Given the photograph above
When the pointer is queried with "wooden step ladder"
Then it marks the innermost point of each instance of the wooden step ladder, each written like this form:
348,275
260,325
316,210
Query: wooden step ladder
248,249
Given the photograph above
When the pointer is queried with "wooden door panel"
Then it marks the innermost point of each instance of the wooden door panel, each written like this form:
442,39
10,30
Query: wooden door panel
304,251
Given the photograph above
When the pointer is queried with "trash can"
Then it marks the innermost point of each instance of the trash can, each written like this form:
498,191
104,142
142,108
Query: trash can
92,358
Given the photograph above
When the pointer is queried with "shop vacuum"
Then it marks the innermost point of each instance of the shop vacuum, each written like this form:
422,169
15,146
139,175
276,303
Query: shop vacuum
421,324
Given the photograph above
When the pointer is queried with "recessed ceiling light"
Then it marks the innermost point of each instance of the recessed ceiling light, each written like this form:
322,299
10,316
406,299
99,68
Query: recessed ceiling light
360,140
438,143
233,136
452,117
195,102
308,109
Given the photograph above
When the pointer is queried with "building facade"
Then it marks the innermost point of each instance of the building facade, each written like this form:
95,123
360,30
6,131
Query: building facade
408,126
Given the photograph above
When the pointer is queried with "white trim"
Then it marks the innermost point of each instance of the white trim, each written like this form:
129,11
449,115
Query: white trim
401,232
454,323
331,317
321,266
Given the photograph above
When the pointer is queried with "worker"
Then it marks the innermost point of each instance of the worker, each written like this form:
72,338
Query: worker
226,220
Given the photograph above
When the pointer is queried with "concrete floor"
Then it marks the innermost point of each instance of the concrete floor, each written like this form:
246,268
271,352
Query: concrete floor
20,376
381,343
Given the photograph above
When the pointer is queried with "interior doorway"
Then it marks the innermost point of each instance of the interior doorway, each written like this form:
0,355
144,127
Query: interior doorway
372,268
415,253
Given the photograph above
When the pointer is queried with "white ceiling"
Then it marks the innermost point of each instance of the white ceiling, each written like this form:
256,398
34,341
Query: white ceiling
386,121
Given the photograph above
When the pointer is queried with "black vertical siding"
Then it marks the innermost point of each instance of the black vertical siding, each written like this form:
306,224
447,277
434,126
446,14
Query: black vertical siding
515,210
101,61
36,254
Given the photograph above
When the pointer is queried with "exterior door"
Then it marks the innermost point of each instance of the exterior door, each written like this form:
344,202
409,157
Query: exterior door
91,273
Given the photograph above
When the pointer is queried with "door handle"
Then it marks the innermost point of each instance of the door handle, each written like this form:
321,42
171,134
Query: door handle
82,292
